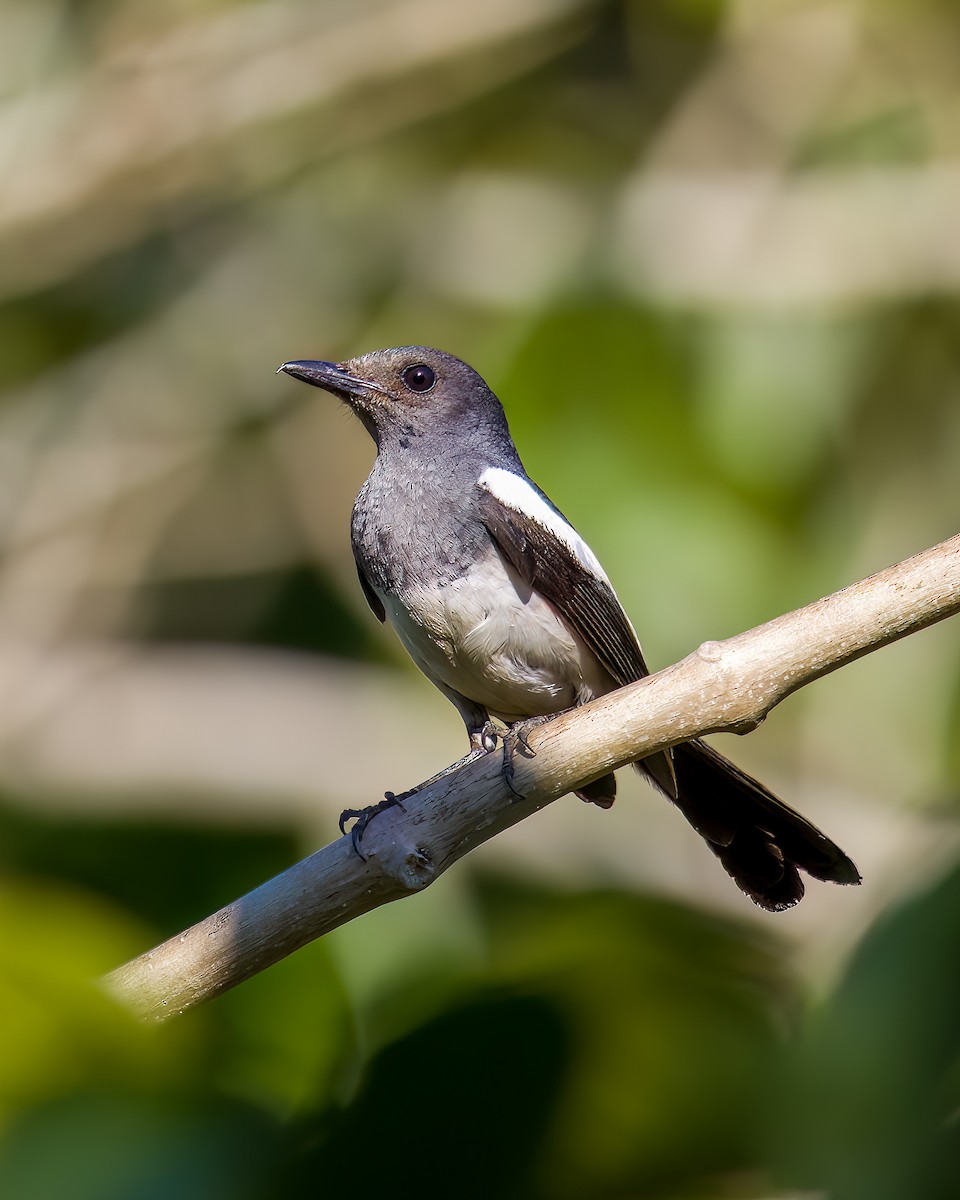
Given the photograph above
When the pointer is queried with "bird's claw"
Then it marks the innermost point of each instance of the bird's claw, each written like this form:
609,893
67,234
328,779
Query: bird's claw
516,739
485,738
508,772
363,816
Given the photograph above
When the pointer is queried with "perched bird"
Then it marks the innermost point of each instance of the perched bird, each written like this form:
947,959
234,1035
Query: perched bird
502,604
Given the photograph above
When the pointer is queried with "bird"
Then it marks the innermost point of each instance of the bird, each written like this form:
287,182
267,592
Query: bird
505,608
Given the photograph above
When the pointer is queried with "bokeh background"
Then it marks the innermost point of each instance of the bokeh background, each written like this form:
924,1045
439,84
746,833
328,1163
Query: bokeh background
708,253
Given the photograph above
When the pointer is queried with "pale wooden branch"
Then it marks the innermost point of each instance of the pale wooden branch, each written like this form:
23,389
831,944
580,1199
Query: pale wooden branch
725,686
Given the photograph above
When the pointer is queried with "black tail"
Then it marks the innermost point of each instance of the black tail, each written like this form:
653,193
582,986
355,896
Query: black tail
760,841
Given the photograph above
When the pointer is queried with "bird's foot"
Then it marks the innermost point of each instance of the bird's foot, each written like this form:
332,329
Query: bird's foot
485,737
514,740
362,817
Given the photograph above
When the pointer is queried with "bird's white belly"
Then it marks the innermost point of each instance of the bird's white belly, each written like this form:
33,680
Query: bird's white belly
494,640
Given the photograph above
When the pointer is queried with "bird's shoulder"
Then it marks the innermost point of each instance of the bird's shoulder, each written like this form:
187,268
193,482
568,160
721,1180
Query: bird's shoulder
514,502
550,556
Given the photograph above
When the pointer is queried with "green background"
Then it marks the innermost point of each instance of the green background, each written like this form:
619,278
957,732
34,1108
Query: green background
706,252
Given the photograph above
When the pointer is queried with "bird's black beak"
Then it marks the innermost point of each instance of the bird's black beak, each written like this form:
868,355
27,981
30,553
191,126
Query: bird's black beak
329,376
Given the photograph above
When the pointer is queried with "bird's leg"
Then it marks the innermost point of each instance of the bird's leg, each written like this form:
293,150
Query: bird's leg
483,739
516,739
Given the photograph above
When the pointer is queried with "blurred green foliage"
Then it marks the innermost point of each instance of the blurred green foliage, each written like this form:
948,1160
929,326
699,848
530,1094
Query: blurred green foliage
606,1044
705,250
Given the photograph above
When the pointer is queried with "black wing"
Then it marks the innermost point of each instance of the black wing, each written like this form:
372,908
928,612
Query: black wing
759,840
376,604
585,601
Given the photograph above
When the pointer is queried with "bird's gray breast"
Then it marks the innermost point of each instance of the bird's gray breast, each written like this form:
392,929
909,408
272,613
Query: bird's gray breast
409,532
460,609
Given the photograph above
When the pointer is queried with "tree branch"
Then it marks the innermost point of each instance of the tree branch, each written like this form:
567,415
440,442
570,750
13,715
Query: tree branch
723,687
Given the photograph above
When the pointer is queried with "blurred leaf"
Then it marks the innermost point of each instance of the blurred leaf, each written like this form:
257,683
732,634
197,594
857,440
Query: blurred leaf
48,327
873,1085
676,1015
884,137
58,1029
170,875
107,1146
460,1104
297,609
285,1040
774,397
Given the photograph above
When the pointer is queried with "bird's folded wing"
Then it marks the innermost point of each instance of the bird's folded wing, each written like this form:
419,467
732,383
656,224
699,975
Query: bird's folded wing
551,557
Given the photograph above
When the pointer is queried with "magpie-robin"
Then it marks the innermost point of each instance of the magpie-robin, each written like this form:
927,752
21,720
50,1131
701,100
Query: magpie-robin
501,603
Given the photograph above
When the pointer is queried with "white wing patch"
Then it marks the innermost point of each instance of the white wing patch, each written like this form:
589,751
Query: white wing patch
516,493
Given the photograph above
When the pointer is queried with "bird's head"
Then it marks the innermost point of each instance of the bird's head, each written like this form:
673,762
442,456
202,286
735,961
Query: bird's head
408,392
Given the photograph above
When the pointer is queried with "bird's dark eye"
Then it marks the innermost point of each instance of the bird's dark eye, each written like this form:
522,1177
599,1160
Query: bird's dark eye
419,377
